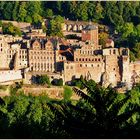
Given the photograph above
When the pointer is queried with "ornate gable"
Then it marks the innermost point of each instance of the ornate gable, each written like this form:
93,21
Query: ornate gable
36,45
49,45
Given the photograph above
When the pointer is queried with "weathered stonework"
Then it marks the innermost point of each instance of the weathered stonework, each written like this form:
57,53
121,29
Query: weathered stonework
108,66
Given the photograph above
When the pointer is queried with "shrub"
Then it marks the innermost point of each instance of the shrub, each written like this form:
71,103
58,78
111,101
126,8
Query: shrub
44,79
60,82
67,93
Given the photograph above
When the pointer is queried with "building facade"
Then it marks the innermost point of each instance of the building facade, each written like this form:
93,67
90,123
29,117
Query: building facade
58,58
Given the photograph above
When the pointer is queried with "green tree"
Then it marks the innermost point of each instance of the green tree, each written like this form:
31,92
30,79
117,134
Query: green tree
22,12
34,11
15,9
8,7
55,28
103,116
10,29
48,13
81,12
138,30
136,50
127,29
44,79
103,38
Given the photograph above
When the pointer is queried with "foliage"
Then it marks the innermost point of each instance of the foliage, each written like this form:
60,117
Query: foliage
55,26
103,38
100,113
60,82
48,13
67,93
78,82
43,79
11,29
57,82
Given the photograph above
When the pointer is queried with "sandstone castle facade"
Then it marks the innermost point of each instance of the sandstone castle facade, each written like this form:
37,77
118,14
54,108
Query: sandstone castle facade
21,59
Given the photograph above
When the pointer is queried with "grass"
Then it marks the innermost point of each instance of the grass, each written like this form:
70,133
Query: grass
3,88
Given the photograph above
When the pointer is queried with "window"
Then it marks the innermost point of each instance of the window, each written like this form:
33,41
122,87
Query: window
114,69
80,65
85,65
114,51
71,67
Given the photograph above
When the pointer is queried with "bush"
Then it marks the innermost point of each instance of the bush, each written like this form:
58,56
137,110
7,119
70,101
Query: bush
67,93
57,82
44,79
60,82
78,82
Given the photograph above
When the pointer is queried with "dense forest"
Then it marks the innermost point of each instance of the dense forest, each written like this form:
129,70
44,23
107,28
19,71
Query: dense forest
111,13
100,113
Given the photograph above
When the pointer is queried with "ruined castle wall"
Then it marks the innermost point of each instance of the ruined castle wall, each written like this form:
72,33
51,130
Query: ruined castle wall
89,70
10,75
112,69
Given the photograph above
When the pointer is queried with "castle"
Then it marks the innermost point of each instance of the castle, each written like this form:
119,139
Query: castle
67,59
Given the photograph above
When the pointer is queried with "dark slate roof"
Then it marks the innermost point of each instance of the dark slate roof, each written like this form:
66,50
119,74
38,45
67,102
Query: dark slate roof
90,27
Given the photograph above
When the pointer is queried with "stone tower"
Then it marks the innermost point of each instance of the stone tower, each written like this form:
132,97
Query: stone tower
90,34
111,67
125,72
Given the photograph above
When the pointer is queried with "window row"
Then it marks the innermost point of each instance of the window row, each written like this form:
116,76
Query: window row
41,65
42,52
88,65
88,59
41,57
22,51
23,56
87,52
